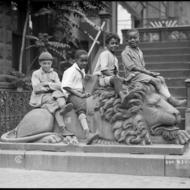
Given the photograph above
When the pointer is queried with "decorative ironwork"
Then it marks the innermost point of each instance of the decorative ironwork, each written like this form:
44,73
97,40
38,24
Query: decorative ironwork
179,33
14,105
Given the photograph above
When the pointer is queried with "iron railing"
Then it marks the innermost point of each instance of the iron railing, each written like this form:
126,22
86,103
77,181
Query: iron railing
177,33
14,105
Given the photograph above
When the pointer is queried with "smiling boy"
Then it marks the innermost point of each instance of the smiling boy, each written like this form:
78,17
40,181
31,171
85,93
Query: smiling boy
107,67
72,82
132,58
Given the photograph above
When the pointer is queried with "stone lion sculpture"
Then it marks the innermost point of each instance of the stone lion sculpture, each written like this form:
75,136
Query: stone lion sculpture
146,114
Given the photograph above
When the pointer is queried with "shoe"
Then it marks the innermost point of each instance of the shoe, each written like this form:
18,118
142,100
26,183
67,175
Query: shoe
68,107
91,137
172,100
66,132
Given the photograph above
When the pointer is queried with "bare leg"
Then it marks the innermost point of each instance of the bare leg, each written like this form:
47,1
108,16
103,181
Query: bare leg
59,119
162,88
90,136
117,84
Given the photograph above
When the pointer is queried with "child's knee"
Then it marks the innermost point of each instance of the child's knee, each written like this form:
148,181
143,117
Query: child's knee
61,102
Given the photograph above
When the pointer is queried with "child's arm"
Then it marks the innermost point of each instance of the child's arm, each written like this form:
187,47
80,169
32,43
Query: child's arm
55,84
77,93
67,84
37,86
126,59
107,73
154,74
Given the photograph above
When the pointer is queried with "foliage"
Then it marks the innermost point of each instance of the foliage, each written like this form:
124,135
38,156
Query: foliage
21,80
65,17
42,42
63,13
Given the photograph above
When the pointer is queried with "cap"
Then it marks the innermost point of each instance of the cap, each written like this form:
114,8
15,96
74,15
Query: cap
45,56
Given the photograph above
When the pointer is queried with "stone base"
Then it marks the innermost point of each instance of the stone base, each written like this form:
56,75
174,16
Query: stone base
160,149
152,160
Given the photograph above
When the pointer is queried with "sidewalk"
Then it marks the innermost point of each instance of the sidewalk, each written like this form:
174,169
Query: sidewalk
14,178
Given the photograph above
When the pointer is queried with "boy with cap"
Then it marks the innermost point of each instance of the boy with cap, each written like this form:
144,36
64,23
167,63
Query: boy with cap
47,91
133,60
72,82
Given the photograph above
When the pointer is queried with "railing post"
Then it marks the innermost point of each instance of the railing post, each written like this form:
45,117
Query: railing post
187,112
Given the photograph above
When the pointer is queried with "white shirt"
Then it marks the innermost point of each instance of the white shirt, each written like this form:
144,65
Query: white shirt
106,61
73,78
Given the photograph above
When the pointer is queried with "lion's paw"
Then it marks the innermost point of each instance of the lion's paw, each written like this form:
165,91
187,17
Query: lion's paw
183,137
51,139
70,140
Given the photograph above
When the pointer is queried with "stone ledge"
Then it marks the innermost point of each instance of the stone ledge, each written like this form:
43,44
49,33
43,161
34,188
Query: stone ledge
84,162
161,149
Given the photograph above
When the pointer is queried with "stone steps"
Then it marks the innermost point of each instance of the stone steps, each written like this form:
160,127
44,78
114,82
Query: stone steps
50,157
171,73
162,51
175,82
168,65
165,58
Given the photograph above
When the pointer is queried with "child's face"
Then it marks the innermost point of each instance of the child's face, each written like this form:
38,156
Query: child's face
46,65
112,45
82,61
133,39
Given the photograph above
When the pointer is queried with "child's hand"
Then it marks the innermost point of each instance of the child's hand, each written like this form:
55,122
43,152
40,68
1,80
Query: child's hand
88,77
85,95
45,83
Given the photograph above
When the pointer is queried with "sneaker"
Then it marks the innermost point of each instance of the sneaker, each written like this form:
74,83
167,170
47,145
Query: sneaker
66,132
68,107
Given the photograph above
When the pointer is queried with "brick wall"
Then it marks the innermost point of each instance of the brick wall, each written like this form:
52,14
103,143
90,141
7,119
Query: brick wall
5,38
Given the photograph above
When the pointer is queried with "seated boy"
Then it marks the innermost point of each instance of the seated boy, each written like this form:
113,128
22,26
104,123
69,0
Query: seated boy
133,60
107,67
72,82
47,91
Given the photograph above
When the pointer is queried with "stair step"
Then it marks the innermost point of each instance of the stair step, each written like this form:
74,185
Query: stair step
166,51
95,162
168,65
178,92
162,51
175,82
173,73
165,58
165,44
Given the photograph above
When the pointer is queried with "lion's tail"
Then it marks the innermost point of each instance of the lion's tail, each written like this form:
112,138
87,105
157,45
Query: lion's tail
6,137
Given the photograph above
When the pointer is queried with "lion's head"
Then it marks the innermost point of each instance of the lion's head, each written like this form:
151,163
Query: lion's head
146,113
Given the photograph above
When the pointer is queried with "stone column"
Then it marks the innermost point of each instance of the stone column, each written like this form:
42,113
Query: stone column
5,38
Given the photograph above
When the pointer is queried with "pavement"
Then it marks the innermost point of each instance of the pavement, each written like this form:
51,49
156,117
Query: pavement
17,178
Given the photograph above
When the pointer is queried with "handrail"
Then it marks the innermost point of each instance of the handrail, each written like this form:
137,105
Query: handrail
175,33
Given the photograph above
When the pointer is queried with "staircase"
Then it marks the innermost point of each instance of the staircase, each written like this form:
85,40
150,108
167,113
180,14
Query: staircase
172,61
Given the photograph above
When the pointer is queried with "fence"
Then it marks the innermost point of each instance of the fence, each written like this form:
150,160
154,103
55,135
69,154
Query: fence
176,33
13,106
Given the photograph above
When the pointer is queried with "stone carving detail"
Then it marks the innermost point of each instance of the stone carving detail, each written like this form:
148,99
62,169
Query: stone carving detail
146,114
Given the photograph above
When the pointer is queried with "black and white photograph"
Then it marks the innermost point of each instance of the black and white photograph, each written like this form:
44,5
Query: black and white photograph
94,94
